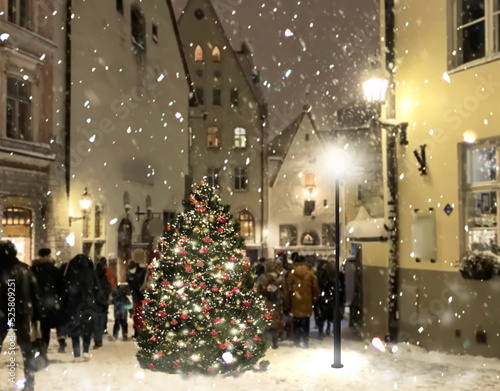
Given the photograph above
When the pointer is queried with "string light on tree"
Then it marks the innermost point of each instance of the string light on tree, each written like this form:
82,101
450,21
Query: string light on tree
202,313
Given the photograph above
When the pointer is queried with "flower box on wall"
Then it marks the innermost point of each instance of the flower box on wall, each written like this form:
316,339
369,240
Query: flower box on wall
478,265
471,274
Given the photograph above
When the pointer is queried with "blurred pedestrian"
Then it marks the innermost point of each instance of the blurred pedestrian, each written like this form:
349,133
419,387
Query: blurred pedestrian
49,279
302,288
102,303
80,290
272,289
19,308
136,278
121,307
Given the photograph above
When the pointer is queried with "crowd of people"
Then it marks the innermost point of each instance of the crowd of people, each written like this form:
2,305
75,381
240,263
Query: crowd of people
294,292
72,298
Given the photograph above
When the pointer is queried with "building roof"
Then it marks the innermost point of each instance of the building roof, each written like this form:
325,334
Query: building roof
280,145
181,52
243,56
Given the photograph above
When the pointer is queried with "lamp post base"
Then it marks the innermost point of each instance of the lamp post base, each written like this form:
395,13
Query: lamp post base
337,366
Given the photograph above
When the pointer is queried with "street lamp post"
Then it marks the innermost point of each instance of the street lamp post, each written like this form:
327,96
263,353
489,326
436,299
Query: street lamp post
336,315
339,161
375,90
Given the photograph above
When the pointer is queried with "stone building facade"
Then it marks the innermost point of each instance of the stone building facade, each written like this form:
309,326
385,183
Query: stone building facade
33,198
227,119
128,141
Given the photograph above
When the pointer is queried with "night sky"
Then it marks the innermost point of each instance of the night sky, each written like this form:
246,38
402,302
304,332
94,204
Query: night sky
327,55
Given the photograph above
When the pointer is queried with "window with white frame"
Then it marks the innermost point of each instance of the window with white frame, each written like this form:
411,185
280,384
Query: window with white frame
475,30
213,137
240,178
240,138
247,225
481,187
212,178
18,121
288,235
19,12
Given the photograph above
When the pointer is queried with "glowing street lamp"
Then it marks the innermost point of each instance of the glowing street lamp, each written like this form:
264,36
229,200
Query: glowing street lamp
85,204
375,89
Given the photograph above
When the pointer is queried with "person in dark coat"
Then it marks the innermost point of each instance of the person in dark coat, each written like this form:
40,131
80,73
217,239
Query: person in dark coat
102,303
49,279
121,307
272,290
302,288
136,278
80,294
324,305
17,285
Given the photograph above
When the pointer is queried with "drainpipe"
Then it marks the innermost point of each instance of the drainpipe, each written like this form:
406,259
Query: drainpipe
392,182
67,114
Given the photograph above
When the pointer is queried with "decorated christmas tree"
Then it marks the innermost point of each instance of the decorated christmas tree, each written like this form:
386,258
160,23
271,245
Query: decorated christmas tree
202,313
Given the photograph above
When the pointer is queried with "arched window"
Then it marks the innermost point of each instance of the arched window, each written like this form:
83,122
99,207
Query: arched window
138,26
240,138
216,54
247,225
198,53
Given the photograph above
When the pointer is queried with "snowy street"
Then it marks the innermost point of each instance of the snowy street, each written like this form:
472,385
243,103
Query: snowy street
114,367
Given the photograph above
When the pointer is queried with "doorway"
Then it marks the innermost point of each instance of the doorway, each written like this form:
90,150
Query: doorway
16,225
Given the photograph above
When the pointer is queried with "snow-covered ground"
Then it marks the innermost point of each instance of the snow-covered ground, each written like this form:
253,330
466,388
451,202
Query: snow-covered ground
114,367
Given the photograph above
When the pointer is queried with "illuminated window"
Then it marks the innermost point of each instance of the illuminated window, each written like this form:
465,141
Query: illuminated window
310,179
240,138
16,225
247,225
213,140
216,54
481,196
198,53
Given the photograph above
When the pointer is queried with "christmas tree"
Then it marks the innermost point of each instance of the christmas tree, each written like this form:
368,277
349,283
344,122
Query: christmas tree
202,313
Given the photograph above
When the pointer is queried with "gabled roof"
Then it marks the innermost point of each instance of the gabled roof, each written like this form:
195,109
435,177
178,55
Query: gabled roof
181,49
243,57
280,145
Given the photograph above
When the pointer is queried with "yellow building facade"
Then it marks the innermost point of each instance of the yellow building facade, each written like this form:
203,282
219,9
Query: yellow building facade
446,75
